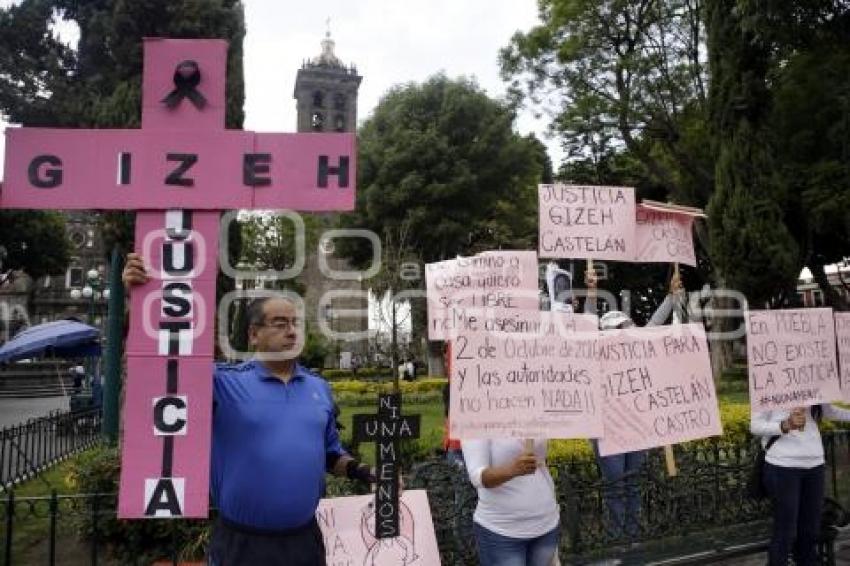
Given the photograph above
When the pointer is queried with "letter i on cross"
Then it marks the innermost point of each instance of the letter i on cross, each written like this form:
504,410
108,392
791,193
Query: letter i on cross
386,429
178,172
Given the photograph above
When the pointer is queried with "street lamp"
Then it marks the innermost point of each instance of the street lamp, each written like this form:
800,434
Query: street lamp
93,290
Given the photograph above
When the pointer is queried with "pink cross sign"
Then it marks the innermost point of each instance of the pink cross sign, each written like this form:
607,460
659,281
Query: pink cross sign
179,171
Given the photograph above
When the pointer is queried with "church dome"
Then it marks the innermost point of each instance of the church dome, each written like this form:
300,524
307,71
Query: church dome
327,58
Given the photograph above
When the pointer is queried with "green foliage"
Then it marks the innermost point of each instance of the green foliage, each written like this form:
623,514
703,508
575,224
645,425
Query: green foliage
750,242
97,471
428,384
46,83
811,118
269,243
442,159
623,73
316,350
35,241
629,83
362,373
351,399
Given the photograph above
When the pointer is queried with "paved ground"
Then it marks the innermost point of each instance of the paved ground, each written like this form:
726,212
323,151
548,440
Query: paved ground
15,411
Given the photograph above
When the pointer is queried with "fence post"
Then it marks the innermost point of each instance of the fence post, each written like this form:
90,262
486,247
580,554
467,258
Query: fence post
833,464
3,456
52,544
94,513
716,466
112,355
10,515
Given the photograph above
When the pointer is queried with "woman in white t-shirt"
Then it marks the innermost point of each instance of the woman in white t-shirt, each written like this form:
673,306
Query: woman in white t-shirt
516,522
794,477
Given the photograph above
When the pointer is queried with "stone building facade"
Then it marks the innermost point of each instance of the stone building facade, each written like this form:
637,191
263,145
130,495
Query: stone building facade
326,98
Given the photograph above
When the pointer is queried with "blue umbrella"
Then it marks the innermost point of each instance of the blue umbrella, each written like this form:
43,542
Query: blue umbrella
62,338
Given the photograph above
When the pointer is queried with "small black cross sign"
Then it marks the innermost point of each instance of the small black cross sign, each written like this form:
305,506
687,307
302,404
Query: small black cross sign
386,429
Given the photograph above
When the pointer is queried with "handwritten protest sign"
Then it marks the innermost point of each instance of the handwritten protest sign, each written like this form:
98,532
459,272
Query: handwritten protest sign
586,222
524,386
486,291
348,528
657,388
791,355
664,236
842,337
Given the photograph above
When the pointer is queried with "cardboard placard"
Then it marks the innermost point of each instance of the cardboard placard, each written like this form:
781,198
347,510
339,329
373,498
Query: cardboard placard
791,358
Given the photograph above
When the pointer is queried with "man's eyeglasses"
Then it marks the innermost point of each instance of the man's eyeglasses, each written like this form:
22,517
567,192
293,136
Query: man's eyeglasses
282,323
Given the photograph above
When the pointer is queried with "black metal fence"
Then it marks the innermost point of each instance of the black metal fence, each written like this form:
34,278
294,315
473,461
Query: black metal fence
703,513
29,448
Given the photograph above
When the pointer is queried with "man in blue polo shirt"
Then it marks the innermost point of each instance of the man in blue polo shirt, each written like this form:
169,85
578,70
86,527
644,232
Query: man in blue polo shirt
274,438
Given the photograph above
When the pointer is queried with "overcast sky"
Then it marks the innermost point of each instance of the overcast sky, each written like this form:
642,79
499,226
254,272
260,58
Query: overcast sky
390,42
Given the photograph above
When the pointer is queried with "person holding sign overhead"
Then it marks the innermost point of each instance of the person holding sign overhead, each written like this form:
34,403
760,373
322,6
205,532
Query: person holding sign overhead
516,521
794,477
621,494
274,437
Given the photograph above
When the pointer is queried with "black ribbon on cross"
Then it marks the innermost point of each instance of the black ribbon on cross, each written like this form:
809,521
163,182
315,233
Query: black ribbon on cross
187,77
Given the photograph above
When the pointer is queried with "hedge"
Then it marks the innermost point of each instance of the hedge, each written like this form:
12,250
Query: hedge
362,373
424,385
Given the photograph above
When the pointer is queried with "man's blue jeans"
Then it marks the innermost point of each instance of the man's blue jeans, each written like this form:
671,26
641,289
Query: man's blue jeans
621,491
498,550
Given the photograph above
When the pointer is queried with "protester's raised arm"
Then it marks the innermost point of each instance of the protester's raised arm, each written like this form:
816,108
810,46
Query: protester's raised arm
665,309
591,282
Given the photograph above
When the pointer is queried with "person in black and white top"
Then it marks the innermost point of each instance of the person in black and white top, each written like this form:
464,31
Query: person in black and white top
516,521
794,478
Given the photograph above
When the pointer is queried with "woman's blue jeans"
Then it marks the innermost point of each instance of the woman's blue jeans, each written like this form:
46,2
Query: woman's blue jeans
498,550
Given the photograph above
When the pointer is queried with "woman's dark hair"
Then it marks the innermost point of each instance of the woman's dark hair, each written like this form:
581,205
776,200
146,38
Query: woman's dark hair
817,413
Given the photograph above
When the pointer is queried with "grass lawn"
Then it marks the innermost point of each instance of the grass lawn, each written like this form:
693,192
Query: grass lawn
31,526
431,426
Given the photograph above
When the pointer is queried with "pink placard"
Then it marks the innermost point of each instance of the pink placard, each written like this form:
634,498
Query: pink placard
664,237
172,326
298,182
490,291
522,386
166,438
182,284
162,56
138,169
347,525
791,358
587,222
842,338
658,388
182,159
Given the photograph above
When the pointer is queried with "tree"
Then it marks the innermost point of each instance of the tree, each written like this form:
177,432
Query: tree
751,245
780,113
444,158
441,173
622,74
98,84
811,121
32,241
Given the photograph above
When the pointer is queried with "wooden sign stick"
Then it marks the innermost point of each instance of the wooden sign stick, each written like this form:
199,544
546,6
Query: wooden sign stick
669,457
